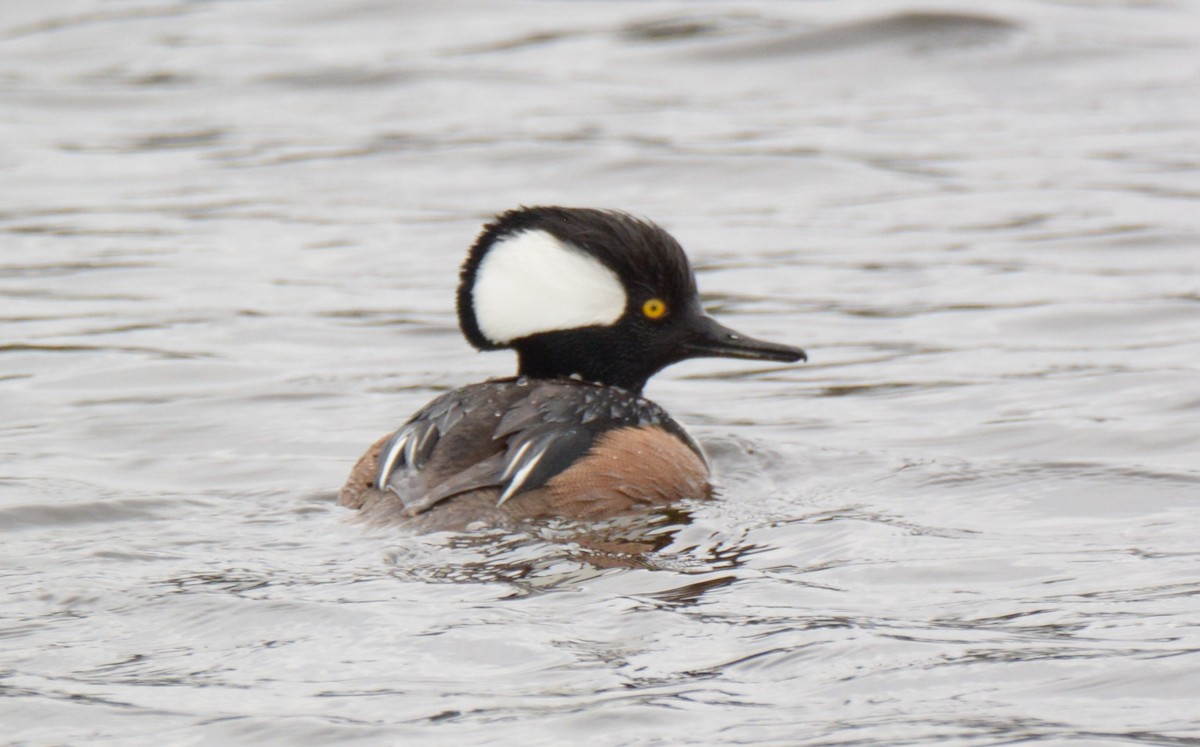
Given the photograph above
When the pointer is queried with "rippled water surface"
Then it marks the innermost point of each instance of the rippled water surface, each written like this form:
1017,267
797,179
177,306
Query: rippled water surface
230,234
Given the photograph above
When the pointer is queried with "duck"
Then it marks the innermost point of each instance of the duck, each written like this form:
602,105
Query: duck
594,302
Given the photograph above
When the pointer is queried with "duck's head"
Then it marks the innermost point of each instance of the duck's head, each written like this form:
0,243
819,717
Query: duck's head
597,294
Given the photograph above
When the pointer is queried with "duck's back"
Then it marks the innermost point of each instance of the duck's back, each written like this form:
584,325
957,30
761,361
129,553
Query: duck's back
518,448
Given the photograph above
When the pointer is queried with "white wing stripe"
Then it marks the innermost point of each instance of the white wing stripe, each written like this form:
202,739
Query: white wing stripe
420,451
389,463
520,478
515,461
410,450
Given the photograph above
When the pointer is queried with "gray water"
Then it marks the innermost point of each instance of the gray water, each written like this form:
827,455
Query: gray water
230,238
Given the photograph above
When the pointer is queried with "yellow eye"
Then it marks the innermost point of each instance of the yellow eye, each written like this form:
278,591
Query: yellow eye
654,308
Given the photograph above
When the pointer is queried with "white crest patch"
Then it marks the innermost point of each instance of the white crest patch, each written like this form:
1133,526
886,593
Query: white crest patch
531,282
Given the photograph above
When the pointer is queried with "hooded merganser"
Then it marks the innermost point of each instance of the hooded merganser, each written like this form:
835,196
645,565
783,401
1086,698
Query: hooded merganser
594,302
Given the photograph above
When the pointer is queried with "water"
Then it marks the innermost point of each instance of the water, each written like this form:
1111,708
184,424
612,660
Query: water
230,236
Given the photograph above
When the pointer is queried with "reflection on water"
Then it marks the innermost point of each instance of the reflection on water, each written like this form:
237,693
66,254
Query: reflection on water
231,235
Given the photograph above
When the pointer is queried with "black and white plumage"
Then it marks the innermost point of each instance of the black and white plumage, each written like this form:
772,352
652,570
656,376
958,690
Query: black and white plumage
594,303
520,435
